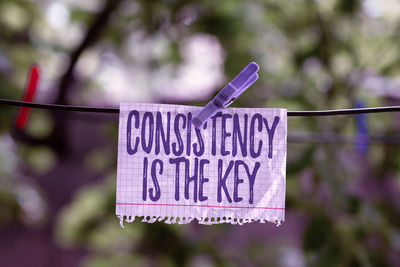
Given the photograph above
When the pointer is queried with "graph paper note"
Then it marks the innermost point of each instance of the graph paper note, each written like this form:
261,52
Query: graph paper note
230,171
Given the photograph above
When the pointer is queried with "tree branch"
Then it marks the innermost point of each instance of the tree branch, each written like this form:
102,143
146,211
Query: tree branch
91,37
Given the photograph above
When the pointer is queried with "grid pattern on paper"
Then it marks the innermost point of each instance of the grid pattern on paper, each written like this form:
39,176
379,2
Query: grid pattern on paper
269,185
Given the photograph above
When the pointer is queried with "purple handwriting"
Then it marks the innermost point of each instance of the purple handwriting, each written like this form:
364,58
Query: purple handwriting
149,134
172,135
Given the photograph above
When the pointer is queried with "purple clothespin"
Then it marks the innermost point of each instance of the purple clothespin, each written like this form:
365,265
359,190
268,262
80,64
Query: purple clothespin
362,138
228,94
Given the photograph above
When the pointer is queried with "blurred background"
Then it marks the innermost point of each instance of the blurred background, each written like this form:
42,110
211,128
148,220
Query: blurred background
57,177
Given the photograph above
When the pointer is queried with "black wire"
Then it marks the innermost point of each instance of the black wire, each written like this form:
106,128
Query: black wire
58,107
116,110
292,138
350,111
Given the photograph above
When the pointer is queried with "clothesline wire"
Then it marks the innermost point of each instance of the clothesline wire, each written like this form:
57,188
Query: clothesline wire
292,138
307,113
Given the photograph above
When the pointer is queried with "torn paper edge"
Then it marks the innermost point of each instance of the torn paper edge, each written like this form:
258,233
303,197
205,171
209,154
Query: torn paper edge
200,220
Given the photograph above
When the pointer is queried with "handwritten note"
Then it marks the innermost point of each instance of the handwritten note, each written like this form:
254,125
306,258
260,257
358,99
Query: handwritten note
230,171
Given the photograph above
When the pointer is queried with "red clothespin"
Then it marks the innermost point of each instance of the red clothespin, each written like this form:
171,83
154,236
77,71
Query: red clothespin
30,91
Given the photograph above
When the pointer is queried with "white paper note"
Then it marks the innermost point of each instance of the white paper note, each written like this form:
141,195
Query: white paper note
231,171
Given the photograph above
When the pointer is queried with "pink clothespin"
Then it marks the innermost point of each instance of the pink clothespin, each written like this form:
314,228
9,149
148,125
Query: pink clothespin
30,91
228,94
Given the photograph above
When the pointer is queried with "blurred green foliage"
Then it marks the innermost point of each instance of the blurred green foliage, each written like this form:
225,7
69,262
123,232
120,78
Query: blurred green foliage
313,55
